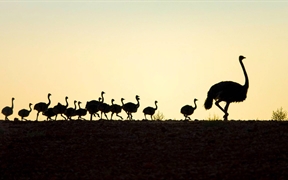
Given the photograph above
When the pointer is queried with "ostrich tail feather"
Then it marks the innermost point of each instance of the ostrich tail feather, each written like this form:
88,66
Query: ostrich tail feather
208,102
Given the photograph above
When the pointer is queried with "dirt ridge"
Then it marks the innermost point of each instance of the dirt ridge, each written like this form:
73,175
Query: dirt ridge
144,150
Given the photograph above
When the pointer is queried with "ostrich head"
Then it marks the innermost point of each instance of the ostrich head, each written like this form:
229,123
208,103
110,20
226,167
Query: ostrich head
241,57
195,99
137,97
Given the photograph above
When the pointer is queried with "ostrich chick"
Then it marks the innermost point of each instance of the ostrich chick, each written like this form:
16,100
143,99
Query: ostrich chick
188,110
150,110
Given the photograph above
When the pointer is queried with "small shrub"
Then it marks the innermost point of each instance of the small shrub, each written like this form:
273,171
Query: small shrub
279,115
215,117
158,116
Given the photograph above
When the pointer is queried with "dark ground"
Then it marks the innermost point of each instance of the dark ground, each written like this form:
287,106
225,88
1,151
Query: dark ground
144,150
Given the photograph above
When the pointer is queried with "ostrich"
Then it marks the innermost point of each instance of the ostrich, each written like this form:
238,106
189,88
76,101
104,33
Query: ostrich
42,107
188,110
92,107
7,111
130,107
80,112
60,109
49,113
150,110
227,91
24,112
71,111
115,108
103,107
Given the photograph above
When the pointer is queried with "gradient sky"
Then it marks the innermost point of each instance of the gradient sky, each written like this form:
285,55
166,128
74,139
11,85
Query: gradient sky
168,51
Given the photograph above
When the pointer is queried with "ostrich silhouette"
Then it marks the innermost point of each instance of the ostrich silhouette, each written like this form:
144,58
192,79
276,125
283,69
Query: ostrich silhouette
92,107
80,111
42,106
49,113
7,111
227,91
130,107
103,107
60,109
115,108
24,112
188,110
150,110
70,112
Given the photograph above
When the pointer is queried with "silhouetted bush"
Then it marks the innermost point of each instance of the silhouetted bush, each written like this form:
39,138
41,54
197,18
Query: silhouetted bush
215,117
279,115
158,116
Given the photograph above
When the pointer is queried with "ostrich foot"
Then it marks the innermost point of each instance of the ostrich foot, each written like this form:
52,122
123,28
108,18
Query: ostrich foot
226,117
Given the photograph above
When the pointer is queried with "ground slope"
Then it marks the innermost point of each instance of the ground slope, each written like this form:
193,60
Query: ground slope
144,150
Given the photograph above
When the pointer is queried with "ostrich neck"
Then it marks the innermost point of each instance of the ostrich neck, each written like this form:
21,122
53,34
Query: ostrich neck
66,102
49,101
79,105
122,102
102,97
138,103
30,107
246,85
12,104
156,106
75,105
195,104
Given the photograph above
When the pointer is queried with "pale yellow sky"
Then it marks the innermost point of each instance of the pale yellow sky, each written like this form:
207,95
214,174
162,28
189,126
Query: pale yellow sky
172,52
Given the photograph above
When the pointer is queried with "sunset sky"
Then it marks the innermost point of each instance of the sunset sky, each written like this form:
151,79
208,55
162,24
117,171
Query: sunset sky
167,51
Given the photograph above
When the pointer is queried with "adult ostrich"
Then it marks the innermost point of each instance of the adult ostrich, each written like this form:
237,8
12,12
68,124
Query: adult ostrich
103,107
70,112
150,110
24,112
115,108
80,111
42,106
227,91
130,107
60,109
188,110
7,111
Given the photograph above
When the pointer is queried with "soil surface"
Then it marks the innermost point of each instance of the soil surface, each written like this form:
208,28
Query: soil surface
144,150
